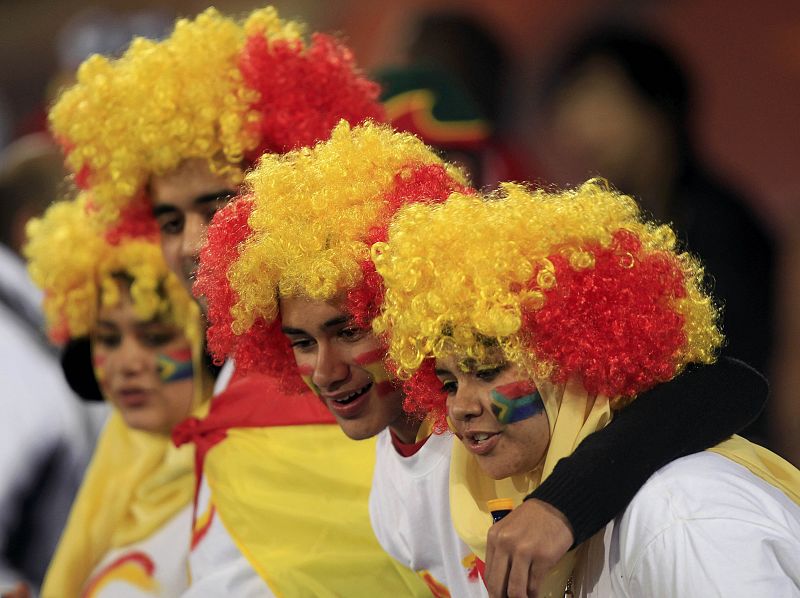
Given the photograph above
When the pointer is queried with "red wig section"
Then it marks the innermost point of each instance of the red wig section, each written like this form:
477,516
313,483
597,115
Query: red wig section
304,91
424,396
612,322
429,183
136,221
227,230
263,347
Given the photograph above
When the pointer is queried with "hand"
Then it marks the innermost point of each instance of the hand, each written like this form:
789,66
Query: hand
20,590
523,546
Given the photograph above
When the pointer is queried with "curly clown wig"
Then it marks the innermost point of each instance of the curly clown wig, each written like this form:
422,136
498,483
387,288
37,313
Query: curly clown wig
568,285
77,264
303,227
216,89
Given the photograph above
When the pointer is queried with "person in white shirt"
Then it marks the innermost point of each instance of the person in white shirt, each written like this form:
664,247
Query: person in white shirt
540,315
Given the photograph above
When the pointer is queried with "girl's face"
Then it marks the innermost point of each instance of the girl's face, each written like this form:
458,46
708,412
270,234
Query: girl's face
497,413
143,368
343,365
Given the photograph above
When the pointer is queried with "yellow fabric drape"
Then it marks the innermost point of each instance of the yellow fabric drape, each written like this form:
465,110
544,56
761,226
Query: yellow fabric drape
309,535
573,415
135,483
762,462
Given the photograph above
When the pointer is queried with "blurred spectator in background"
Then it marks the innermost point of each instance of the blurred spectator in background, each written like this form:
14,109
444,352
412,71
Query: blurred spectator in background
45,436
93,30
621,85
451,94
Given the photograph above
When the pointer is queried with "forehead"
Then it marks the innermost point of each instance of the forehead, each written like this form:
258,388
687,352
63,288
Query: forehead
308,314
191,180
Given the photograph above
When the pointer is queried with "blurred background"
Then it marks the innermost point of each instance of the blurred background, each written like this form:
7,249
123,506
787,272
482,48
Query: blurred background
701,126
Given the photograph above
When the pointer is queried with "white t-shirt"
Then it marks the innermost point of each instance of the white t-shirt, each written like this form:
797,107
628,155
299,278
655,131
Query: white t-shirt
153,567
409,507
216,566
701,526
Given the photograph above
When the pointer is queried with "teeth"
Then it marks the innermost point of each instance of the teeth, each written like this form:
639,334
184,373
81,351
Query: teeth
481,437
353,395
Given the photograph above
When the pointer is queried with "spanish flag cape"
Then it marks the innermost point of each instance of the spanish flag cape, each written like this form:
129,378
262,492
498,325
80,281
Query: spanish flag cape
573,415
292,492
135,484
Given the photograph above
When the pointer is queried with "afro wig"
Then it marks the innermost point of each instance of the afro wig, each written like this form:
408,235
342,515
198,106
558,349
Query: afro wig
568,285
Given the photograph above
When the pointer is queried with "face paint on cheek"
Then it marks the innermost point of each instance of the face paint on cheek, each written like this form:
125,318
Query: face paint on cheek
372,361
175,366
306,372
99,368
516,401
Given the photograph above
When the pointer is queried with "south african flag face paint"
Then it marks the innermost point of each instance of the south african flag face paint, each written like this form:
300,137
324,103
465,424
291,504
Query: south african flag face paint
516,401
175,365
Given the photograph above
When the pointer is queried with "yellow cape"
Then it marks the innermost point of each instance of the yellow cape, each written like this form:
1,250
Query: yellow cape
294,499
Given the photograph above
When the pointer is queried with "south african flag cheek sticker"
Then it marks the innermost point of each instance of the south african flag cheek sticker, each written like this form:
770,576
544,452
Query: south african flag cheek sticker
516,401
175,365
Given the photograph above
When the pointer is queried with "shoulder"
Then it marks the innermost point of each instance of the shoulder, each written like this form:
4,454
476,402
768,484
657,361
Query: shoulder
703,486
704,518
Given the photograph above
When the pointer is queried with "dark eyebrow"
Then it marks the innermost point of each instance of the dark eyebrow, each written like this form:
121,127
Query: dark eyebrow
105,323
214,196
295,331
442,372
338,320
332,323
166,208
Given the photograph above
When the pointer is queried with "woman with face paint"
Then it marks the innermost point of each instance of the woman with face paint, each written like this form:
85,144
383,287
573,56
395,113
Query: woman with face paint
128,528
291,290
535,319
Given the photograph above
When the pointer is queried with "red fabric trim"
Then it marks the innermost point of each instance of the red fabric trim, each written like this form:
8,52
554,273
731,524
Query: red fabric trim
252,401
406,450
199,534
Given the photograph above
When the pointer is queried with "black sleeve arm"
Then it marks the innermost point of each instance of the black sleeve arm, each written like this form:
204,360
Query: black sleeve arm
696,410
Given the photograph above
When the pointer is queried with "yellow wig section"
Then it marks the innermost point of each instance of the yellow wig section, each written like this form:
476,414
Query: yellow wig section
313,209
161,103
69,259
462,273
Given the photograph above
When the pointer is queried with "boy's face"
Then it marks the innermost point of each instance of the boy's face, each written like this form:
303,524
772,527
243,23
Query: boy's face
343,365
184,202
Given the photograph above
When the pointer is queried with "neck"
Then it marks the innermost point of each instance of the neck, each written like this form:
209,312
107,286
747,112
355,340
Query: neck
406,428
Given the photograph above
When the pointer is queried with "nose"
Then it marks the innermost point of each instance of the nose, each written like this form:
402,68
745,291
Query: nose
194,235
330,371
131,357
464,404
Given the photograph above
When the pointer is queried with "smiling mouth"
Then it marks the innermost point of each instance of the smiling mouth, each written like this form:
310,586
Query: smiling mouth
481,443
353,395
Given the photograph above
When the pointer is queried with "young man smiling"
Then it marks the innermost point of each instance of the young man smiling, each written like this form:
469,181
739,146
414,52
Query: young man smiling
170,127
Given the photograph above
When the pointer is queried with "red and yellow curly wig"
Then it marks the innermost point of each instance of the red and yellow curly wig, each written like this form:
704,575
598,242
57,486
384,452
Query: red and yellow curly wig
574,284
217,89
78,281
303,227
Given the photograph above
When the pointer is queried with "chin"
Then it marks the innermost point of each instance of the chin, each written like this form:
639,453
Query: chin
143,422
357,430
495,470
